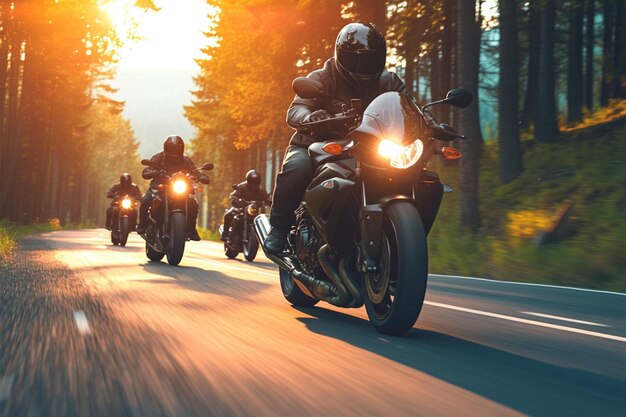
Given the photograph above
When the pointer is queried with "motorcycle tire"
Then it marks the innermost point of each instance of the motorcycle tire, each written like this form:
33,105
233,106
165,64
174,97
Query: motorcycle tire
293,293
251,248
152,254
124,231
177,238
394,295
230,253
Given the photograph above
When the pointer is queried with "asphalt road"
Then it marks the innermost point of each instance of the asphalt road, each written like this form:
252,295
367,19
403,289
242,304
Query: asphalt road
88,329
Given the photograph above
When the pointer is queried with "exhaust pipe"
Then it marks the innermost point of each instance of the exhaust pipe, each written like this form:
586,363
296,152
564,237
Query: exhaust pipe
344,298
322,290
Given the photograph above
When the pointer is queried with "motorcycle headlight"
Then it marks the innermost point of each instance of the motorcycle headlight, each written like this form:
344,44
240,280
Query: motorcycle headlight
253,211
401,156
179,186
126,203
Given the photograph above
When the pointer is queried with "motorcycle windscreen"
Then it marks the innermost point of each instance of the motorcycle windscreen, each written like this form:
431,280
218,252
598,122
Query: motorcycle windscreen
391,116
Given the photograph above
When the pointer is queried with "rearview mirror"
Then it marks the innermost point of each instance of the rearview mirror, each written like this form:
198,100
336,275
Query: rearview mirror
207,166
459,98
308,88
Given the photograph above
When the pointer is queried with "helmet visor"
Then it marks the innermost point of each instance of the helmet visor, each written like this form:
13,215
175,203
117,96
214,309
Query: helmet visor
363,62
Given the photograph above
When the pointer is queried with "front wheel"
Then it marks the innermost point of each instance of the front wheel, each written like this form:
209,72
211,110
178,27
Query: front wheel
124,231
293,293
176,239
395,293
251,247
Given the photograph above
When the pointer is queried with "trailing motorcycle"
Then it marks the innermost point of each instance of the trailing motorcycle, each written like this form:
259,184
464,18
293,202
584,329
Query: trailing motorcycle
360,233
242,237
125,212
166,233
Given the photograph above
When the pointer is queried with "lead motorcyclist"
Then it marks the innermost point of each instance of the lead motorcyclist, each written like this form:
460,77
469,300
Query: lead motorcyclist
124,187
172,160
357,71
243,194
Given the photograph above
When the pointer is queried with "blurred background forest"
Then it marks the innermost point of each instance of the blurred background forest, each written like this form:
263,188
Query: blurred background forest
539,195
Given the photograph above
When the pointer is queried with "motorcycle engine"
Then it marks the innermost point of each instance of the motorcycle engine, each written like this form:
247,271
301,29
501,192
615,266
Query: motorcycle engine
307,243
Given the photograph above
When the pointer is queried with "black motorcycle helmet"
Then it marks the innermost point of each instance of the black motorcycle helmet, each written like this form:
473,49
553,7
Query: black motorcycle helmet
360,54
174,146
126,180
253,179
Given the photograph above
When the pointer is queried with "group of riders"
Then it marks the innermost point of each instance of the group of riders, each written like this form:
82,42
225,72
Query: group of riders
357,71
172,159
353,202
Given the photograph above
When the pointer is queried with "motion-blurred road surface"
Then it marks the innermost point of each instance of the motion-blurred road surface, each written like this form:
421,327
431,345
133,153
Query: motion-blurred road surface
90,329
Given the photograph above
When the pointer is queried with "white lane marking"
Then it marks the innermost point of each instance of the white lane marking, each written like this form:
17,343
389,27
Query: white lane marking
549,316
529,322
495,281
6,383
81,322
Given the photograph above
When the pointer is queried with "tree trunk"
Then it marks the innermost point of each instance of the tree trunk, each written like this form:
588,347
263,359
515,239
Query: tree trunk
468,53
545,126
619,53
373,11
529,111
589,47
607,52
575,63
508,127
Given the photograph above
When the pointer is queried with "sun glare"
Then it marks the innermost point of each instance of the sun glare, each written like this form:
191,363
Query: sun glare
169,38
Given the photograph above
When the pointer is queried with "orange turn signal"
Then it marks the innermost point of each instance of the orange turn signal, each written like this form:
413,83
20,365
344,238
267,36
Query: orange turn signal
199,189
449,152
333,148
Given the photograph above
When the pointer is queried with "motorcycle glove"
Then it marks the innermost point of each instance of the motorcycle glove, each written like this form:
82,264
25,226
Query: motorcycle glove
317,115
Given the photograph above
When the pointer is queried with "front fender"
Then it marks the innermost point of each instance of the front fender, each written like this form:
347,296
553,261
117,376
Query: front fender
371,222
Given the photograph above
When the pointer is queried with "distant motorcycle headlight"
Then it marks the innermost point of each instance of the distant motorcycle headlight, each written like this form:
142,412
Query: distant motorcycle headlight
253,211
401,156
126,203
179,186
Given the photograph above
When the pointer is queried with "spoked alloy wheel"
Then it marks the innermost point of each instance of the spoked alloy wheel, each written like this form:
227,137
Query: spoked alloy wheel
293,293
176,241
395,293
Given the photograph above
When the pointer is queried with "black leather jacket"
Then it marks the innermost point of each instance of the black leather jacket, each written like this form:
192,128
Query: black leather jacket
338,93
243,195
155,174
117,191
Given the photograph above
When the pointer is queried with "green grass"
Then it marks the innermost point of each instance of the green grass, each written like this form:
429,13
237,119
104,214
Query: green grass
10,233
585,166
206,234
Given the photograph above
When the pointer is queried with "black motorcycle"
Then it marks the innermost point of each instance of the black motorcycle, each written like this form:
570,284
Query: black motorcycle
360,234
241,237
166,233
125,212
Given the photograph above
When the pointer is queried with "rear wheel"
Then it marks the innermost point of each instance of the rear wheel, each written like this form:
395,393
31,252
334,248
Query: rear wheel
395,293
293,293
152,254
251,247
229,252
176,240
124,231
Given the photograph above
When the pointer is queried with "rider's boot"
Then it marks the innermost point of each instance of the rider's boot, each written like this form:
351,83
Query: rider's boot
276,241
